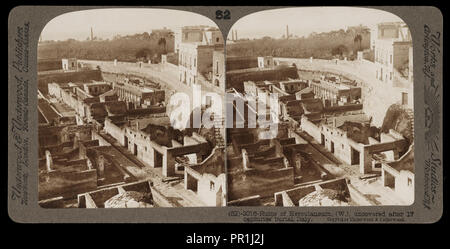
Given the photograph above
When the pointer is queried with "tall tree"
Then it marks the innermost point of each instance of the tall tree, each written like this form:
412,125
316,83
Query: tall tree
339,50
162,42
358,40
143,53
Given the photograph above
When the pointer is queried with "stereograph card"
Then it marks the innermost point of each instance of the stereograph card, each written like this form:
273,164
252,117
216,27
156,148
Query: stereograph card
232,114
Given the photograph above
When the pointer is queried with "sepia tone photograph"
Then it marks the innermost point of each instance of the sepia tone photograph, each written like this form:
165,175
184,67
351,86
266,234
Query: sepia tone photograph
120,95
322,108
230,114
308,106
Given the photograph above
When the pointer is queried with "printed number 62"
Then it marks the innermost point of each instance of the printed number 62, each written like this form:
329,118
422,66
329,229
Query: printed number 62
223,14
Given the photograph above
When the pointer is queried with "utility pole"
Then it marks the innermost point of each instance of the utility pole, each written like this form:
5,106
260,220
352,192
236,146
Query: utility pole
92,34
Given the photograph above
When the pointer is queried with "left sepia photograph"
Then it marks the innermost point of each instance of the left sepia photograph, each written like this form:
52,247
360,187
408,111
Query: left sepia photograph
130,110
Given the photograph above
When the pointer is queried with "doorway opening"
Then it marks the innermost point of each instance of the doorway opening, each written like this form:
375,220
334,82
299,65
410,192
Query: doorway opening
158,159
354,156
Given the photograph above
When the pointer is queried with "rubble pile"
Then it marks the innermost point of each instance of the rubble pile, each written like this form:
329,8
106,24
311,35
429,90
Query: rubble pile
130,199
323,197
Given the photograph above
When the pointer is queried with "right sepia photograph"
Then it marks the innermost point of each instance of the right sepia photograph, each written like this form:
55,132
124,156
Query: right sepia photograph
320,108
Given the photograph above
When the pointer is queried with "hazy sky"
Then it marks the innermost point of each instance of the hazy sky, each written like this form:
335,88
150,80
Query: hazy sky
304,20
108,22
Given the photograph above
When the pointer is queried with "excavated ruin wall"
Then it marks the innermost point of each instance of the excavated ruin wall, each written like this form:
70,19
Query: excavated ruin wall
263,183
377,96
66,77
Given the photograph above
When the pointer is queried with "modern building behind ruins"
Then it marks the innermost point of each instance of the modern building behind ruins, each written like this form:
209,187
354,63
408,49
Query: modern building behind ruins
392,45
219,69
195,46
392,68
201,34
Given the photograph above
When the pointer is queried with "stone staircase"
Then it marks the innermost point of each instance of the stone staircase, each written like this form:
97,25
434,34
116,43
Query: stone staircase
410,113
219,130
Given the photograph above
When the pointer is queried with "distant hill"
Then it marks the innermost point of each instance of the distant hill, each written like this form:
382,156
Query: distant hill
127,48
318,45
